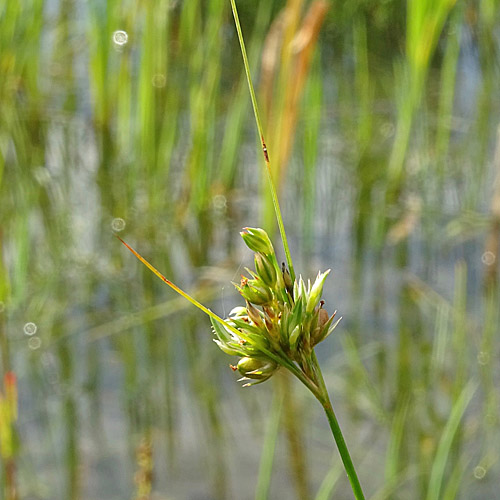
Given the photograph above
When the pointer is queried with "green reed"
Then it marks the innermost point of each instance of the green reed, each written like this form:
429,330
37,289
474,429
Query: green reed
44,250
424,23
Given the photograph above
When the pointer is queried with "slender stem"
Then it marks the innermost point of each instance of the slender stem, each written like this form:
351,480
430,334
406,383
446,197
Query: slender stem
323,397
274,194
342,447
319,390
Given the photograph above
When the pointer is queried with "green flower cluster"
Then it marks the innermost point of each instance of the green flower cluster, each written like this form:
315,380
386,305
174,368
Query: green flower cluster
282,320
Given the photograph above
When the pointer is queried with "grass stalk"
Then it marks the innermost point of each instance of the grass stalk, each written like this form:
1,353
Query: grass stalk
270,180
342,447
323,397
330,481
446,441
322,393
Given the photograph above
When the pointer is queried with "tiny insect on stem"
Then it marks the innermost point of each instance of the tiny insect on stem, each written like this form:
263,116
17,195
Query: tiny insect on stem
264,150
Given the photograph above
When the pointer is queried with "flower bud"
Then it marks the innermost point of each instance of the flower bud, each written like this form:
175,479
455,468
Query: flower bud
256,368
257,294
265,270
316,291
257,240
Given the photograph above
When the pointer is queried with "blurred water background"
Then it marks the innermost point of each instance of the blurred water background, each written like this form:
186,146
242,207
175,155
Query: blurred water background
134,118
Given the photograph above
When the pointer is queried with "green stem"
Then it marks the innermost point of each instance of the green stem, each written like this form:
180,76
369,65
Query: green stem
319,390
342,447
274,194
323,397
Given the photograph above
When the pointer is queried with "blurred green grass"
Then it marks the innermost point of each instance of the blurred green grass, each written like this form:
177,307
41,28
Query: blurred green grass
387,172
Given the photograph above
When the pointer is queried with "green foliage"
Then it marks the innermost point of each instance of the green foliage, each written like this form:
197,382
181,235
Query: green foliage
159,132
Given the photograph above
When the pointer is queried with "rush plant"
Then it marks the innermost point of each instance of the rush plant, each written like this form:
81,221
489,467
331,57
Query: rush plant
283,318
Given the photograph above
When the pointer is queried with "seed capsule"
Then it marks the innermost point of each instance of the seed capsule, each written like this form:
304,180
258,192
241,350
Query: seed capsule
322,317
257,240
256,368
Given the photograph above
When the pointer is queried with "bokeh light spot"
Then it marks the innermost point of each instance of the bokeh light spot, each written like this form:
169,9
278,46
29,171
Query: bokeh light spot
120,37
30,328
118,224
